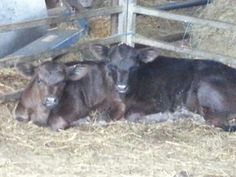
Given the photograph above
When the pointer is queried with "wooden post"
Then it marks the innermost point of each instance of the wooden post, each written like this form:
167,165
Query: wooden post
126,21
114,19
122,19
197,53
131,22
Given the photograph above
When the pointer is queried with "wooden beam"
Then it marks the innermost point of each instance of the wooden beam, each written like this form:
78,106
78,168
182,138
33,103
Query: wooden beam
196,53
131,22
114,19
60,19
182,18
122,20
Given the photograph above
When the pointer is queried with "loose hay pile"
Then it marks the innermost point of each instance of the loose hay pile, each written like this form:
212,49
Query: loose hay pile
120,149
212,39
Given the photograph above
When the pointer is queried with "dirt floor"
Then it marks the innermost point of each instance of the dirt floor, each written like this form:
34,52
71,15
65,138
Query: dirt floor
183,146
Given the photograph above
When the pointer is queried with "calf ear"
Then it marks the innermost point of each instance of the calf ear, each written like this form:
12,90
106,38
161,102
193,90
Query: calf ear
99,51
27,70
148,54
76,72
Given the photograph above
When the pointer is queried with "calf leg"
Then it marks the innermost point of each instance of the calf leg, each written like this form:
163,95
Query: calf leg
213,104
135,112
57,123
117,109
21,113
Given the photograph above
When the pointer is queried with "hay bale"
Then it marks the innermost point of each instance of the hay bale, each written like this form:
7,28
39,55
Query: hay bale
216,40
100,27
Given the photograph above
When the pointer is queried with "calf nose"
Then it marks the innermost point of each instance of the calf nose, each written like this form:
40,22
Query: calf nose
121,88
50,102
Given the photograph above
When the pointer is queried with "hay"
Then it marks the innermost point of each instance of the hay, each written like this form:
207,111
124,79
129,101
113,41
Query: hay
120,149
216,40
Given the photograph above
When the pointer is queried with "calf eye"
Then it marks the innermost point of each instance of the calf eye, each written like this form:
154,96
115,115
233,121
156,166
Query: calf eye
40,81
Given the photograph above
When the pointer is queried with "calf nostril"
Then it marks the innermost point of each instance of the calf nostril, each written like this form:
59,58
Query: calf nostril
56,101
121,86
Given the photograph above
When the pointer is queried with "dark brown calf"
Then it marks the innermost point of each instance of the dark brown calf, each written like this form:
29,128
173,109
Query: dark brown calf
60,95
150,83
43,92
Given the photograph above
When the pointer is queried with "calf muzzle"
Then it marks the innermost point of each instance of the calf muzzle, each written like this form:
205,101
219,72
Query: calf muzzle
50,102
122,88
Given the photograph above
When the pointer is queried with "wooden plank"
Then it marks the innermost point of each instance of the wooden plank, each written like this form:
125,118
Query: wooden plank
122,20
114,19
182,18
131,22
197,53
60,19
10,61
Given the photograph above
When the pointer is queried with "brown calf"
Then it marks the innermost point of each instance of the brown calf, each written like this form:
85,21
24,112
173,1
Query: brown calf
59,95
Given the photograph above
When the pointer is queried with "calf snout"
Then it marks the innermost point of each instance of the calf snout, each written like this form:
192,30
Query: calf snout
50,102
122,88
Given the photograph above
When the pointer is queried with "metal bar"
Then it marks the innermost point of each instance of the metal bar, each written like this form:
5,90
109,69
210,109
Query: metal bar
197,53
60,19
180,5
11,61
182,18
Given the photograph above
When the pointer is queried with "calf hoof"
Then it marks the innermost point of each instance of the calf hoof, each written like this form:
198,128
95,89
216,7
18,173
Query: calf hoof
58,124
136,117
22,119
229,128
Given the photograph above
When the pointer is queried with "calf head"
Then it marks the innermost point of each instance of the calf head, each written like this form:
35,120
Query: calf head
46,87
123,61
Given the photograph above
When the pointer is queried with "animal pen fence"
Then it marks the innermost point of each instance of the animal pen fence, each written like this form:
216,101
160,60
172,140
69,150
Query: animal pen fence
123,23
